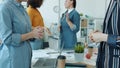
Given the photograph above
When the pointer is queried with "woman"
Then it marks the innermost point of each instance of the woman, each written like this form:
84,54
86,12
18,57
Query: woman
15,34
109,49
36,20
70,23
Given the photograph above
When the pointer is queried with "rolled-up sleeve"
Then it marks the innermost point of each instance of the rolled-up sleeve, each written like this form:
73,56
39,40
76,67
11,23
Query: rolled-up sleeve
74,27
8,37
112,40
76,23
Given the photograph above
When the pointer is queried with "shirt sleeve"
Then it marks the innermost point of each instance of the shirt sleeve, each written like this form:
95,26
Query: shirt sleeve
76,22
112,40
74,27
7,36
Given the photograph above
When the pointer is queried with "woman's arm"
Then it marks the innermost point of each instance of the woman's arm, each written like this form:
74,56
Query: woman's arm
69,22
112,40
98,37
7,36
75,24
37,32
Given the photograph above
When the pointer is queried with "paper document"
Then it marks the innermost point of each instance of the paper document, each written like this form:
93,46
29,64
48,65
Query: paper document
39,54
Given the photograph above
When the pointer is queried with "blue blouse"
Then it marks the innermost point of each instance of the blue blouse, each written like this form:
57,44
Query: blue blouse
68,35
14,22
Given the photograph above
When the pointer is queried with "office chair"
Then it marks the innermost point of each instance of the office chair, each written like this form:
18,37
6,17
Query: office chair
75,65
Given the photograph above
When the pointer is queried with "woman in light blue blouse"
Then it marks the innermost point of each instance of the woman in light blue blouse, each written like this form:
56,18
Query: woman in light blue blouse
70,23
15,34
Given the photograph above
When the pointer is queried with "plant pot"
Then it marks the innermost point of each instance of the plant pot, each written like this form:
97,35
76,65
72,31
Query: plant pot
79,57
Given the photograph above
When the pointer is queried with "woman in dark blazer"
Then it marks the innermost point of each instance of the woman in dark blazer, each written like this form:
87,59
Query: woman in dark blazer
109,49
70,23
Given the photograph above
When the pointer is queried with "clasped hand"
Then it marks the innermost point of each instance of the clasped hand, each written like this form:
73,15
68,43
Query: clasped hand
97,36
38,32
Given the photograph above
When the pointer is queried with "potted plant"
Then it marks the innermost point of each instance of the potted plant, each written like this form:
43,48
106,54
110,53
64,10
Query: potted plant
79,52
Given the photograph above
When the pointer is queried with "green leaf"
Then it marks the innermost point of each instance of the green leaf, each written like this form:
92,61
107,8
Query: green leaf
79,48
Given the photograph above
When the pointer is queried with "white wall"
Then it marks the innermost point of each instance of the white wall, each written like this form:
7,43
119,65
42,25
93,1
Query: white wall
47,12
0,0
94,8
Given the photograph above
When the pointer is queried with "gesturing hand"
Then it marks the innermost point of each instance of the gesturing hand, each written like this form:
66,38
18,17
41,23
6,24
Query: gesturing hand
67,17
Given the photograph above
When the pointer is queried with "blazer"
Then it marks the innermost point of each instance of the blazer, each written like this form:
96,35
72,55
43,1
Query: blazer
68,35
109,52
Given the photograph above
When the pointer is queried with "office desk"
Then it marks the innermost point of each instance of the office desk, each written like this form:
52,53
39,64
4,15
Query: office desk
49,54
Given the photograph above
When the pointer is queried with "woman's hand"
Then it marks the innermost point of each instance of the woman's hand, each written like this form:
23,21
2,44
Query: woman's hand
67,17
48,31
98,36
68,21
37,32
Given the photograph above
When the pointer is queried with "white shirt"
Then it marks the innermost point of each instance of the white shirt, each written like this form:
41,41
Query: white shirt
70,10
